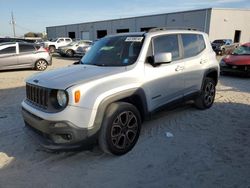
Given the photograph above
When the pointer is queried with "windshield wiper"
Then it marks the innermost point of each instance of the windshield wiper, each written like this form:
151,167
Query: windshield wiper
93,64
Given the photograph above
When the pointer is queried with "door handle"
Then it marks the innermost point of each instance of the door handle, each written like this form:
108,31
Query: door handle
179,68
203,61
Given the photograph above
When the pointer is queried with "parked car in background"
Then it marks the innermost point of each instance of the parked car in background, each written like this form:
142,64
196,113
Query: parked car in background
54,44
71,49
238,61
81,51
224,46
16,55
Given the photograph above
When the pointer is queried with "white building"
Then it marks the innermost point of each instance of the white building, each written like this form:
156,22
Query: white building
219,23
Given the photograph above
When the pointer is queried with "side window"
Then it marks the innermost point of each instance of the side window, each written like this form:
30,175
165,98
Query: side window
193,44
26,48
167,43
8,50
67,40
60,40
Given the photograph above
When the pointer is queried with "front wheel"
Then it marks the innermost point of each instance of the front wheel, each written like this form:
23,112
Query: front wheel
70,53
120,128
41,65
206,98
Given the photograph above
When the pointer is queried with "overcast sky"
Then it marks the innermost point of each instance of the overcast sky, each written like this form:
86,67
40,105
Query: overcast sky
33,15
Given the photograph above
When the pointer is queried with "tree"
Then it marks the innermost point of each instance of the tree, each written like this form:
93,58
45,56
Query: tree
32,34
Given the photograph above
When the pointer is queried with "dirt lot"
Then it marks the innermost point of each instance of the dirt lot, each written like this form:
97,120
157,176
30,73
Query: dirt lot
208,148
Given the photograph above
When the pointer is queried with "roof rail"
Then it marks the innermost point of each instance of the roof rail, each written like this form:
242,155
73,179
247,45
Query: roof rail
171,28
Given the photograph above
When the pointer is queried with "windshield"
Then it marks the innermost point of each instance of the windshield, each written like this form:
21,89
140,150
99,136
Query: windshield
114,51
72,43
242,50
53,40
219,41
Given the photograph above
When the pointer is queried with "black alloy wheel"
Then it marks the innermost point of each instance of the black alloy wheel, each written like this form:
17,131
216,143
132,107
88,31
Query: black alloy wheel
120,128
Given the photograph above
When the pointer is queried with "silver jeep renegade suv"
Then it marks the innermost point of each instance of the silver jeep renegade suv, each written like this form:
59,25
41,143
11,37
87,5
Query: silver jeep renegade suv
121,81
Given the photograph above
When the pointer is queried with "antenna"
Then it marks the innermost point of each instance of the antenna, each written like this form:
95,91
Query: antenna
13,23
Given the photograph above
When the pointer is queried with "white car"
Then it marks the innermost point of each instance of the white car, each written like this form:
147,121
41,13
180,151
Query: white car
118,84
54,44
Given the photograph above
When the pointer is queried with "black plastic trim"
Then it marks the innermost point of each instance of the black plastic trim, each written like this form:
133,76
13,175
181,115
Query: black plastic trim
120,96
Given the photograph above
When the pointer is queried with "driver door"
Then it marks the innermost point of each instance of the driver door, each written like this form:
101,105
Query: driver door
164,82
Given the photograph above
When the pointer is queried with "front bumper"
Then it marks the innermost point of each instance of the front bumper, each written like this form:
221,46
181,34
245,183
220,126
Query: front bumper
58,135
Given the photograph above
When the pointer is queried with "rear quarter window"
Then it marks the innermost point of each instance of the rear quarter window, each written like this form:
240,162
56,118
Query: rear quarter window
26,48
193,44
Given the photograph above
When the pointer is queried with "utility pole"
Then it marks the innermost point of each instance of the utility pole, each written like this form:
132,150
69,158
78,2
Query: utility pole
13,23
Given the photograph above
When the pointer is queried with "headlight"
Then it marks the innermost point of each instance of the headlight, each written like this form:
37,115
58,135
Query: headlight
61,98
222,63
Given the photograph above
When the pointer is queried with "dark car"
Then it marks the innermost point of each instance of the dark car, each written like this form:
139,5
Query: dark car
238,61
223,46
17,55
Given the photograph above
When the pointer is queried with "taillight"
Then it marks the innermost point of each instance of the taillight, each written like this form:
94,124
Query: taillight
46,49
43,49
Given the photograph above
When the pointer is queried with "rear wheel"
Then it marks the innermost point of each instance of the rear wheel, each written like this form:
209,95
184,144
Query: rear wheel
41,65
52,49
120,128
223,52
206,98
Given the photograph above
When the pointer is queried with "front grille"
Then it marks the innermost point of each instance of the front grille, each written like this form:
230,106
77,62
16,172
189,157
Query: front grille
37,95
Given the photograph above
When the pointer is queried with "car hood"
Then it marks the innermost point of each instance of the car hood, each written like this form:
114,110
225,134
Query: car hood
63,78
237,59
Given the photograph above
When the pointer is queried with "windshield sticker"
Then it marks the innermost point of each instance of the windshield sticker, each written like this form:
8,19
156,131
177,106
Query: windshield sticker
107,48
133,39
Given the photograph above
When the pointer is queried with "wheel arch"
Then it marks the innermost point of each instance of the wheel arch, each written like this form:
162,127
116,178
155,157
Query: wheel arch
136,97
212,73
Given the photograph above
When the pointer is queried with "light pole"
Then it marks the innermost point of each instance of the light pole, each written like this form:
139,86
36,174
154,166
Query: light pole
13,23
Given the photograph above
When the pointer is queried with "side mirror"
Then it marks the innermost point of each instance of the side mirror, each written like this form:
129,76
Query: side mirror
161,58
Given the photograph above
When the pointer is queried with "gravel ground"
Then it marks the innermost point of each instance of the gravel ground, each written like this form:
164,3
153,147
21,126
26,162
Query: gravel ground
184,147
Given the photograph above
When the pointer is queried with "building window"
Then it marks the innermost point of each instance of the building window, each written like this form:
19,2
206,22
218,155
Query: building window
72,35
122,30
101,33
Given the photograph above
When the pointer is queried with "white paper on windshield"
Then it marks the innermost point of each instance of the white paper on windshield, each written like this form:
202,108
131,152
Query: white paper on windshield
133,39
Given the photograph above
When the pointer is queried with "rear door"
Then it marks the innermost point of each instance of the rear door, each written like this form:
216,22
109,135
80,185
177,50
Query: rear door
8,57
195,61
26,55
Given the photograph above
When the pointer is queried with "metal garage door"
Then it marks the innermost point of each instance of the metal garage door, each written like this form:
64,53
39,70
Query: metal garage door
85,35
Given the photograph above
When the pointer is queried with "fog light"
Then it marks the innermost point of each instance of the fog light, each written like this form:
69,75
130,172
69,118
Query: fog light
60,125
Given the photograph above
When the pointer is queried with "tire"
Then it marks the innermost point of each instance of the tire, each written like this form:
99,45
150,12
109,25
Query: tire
223,52
120,128
206,99
41,65
70,53
52,49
